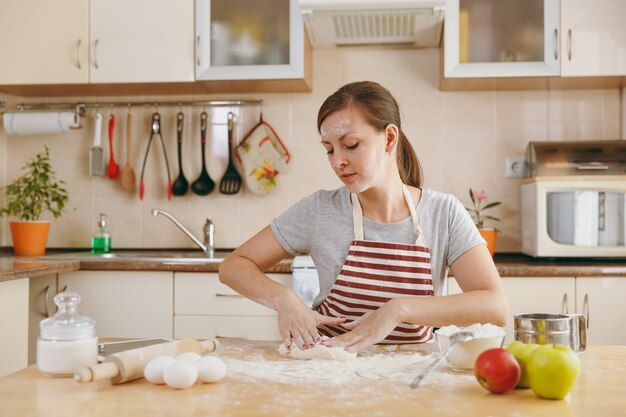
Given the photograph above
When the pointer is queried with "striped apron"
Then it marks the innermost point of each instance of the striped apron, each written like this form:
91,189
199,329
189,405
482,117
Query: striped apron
375,272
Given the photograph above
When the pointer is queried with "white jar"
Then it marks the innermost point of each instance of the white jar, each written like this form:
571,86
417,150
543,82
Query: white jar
68,340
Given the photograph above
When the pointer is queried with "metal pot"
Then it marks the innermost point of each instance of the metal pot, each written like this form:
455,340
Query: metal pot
543,329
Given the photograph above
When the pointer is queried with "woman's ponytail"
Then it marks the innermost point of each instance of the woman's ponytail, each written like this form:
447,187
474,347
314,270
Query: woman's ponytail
408,165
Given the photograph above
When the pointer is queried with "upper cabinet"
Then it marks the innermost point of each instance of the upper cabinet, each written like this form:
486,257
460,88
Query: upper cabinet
593,38
44,42
141,41
249,40
501,38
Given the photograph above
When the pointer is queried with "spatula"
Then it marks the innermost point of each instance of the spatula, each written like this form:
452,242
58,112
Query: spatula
231,181
113,169
128,173
96,155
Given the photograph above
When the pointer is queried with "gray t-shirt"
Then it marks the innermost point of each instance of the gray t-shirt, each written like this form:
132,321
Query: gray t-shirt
321,225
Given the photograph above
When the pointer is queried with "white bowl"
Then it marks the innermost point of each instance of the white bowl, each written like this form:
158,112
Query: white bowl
463,355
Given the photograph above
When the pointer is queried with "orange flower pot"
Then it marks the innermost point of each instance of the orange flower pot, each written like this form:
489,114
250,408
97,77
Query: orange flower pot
30,238
490,236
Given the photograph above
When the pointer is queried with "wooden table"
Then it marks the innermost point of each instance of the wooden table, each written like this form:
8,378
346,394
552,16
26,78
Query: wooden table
600,391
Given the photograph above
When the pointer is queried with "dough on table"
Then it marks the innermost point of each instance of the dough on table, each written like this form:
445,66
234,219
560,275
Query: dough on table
319,351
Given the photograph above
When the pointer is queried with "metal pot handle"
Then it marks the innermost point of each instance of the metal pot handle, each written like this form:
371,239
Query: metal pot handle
579,332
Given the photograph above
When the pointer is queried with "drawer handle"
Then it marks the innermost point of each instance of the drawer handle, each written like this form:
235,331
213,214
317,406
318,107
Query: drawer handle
45,302
217,336
586,308
564,309
228,295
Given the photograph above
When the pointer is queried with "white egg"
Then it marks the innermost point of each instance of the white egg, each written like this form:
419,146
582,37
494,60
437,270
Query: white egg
180,375
153,371
188,357
210,368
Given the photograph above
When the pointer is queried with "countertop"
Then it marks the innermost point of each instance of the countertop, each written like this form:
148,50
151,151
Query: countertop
508,265
248,390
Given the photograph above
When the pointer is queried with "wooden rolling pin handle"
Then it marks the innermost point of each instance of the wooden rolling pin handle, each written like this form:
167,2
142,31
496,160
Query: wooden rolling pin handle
97,372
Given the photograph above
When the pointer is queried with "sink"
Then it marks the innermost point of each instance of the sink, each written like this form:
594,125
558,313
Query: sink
167,257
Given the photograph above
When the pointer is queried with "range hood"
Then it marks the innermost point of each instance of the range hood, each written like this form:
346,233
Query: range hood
330,23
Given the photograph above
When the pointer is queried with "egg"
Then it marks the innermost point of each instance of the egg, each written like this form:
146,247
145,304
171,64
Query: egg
180,375
210,368
188,357
153,371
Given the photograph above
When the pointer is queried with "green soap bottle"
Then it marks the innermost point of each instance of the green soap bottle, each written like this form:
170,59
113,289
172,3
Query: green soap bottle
101,240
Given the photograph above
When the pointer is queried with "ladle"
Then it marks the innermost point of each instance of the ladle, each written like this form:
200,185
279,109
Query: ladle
457,337
204,184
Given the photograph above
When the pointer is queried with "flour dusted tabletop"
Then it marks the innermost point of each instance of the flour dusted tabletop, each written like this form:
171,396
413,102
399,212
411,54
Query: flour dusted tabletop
260,382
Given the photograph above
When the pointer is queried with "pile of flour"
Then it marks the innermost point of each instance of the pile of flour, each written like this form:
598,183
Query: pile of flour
479,330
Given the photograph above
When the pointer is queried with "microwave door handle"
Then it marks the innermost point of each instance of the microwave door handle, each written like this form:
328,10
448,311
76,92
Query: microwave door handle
601,210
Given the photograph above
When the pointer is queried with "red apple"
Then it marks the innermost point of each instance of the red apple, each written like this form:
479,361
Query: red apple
497,370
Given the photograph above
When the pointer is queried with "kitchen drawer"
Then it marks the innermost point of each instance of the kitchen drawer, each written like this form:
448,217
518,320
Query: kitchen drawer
226,327
204,294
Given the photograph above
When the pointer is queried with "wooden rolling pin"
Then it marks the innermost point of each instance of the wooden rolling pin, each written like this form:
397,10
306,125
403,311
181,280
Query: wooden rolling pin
129,365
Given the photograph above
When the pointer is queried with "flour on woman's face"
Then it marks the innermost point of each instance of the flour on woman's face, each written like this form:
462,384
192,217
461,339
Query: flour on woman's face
355,150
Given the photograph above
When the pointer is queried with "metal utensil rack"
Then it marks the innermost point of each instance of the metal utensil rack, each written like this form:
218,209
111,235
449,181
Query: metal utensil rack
81,108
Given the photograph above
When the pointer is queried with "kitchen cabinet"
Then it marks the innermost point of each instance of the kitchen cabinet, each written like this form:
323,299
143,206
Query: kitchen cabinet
206,308
593,38
141,41
44,42
132,304
42,290
501,38
14,325
249,40
601,300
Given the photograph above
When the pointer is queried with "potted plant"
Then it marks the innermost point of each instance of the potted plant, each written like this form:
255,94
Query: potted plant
27,197
479,204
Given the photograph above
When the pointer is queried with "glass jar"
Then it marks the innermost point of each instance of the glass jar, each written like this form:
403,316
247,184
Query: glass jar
68,340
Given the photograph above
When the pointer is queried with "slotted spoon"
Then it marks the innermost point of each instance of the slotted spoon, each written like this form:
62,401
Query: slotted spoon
231,181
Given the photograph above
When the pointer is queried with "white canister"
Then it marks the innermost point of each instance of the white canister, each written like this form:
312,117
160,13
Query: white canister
68,340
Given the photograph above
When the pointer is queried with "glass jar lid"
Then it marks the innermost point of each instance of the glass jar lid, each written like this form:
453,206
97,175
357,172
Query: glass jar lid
67,323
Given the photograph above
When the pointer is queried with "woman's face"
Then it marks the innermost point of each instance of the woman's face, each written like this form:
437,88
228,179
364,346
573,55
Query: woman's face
356,151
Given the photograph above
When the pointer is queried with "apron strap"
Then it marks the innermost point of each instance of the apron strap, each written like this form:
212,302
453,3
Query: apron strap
357,216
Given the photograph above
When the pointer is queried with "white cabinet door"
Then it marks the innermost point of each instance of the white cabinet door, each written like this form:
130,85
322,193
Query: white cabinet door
249,40
44,42
134,304
226,327
554,295
501,38
141,41
14,325
593,38
601,300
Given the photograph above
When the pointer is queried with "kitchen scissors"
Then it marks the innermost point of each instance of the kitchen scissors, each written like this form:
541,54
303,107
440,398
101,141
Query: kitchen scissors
156,130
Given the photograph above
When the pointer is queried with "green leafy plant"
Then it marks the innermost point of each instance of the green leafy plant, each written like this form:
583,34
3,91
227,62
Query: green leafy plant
36,191
479,204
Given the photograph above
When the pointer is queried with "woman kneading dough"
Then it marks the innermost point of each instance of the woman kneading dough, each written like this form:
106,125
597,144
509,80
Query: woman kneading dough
381,243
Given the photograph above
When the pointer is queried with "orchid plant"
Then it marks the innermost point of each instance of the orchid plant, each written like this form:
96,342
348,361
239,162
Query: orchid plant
479,203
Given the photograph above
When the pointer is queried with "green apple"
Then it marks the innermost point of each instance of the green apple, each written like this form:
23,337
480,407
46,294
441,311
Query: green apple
522,352
553,371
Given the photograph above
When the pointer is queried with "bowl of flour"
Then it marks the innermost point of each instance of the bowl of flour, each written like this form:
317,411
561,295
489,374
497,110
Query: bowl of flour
463,355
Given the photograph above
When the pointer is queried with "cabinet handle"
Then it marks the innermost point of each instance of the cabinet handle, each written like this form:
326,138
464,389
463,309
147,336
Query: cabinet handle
95,53
564,309
45,303
217,336
78,54
228,295
569,44
586,308
556,44
198,50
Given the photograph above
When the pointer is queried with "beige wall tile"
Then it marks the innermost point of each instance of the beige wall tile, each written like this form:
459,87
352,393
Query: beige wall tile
527,106
561,131
469,107
576,105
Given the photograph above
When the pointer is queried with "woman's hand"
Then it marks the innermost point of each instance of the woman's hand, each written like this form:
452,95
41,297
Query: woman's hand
368,329
299,323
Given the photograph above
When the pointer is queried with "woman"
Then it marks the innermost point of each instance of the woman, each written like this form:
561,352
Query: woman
380,243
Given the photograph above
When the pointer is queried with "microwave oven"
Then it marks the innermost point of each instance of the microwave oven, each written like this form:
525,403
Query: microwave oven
574,216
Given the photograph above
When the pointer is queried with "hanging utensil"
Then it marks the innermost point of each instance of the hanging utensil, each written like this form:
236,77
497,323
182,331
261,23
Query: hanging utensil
204,184
113,170
96,155
457,337
231,181
156,130
180,185
128,173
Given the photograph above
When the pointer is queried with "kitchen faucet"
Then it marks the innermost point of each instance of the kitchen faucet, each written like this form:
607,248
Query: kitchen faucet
208,247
